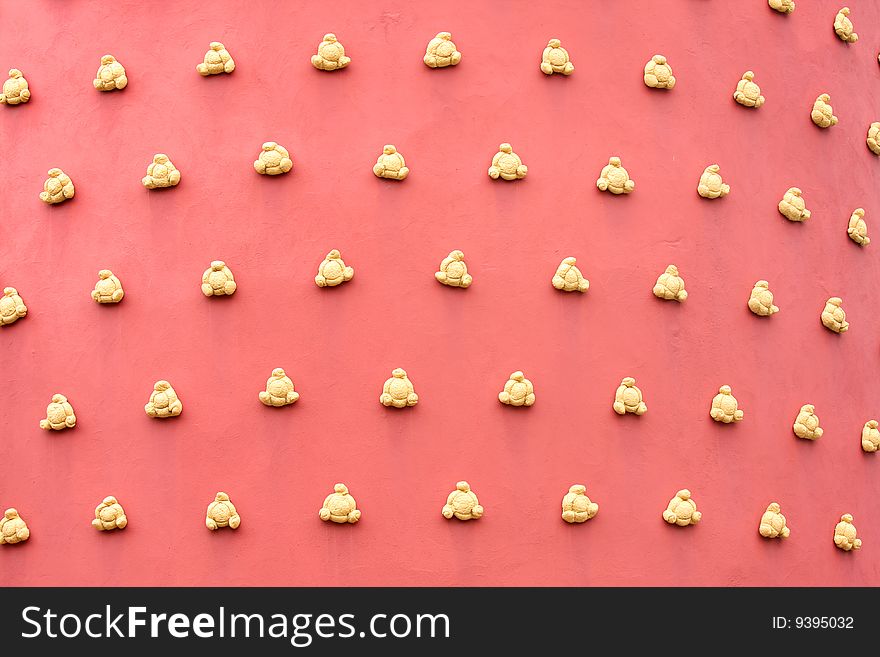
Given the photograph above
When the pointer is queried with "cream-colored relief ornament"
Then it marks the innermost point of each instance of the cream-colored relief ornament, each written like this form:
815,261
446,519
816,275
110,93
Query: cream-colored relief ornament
615,179
782,6
273,160
658,73
845,534
441,51
453,271
57,188
555,59
822,113
569,278
12,306
462,503
13,528
279,390
217,60
331,54
333,271
682,510
843,26
222,513
806,424
507,165
59,414
111,75
874,138
857,228
833,315
871,436
628,398
711,185
391,164
518,391
792,205
576,506
164,401
218,280
398,391
109,515
339,506
761,300
670,285
15,89
748,93
773,523
161,172
724,407
108,289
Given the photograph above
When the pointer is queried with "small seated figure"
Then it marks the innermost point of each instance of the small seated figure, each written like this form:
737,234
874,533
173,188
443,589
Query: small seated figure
163,401
390,164
682,510
398,391
761,300
332,271
331,54
441,51
15,89
782,6
874,138
111,75
217,60
806,424
748,93
658,73
555,59
576,506
279,390
57,188
773,523
628,398
615,179
857,228
843,26
340,507
12,306
711,185
462,503
273,160
569,278
13,528
845,534
59,414
108,289
518,391
507,165
792,205
109,515
453,271
725,407
871,436
161,173
823,114
833,315
218,280
670,286
222,513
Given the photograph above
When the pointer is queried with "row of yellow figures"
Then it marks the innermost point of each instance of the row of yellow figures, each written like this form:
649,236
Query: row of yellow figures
462,503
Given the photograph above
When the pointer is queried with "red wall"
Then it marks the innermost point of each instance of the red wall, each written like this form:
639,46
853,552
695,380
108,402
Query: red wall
458,346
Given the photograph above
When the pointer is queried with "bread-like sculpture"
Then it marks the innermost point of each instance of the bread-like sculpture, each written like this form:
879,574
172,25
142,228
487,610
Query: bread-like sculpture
331,54
108,289
217,60
333,271
792,205
773,523
13,528
391,164
628,398
569,278
462,503
441,51
845,534
576,506
711,185
111,75
12,306
161,172
658,73
59,414
555,59
518,391
453,271
761,300
748,93
15,89
218,280
833,315
874,138
614,178
339,506
279,390
782,6
806,424
822,113
871,436
682,510
398,391
724,407
670,285
857,228
222,513
273,160
109,515
843,26
164,401
57,188
507,165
